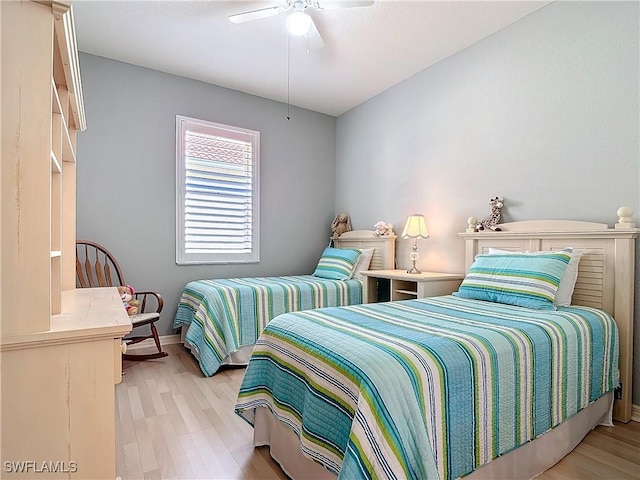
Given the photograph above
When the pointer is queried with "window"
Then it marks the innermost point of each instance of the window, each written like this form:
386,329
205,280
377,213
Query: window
217,193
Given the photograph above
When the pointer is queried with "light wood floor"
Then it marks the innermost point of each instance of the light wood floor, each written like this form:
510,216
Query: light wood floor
172,422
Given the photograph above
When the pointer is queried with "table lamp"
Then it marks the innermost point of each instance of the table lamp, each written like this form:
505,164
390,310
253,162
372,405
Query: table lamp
415,228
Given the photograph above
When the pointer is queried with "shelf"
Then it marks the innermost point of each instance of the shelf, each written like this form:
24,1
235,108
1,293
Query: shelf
385,285
408,292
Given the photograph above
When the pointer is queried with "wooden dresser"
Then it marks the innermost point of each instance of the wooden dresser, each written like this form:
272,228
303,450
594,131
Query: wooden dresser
60,348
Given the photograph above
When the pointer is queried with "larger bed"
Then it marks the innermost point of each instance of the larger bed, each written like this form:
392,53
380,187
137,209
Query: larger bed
221,319
450,387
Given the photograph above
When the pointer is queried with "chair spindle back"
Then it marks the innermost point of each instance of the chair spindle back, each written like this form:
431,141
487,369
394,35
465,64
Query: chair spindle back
96,267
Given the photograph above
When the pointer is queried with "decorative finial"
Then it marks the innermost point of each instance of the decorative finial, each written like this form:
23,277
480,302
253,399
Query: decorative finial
624,218
472,225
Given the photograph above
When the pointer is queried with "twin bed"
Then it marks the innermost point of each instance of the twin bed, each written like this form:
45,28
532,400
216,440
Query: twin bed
220,320
454,386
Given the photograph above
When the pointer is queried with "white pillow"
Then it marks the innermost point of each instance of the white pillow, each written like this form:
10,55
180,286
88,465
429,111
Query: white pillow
363,263
568,281
569,277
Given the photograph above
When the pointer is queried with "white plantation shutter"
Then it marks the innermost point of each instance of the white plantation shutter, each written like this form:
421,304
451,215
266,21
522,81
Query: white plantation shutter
217,175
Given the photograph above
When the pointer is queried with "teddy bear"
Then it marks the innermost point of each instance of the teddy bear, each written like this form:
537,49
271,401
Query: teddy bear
383,228
341,224
130,303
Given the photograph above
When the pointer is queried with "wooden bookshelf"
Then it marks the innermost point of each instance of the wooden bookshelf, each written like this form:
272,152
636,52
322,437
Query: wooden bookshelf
60,347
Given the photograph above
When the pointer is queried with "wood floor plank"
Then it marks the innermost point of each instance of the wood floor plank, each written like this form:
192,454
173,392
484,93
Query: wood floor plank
169,377
137,412
174,447
579,466
195,406
619,449
132,468
609,459
174,414
160,448
186,413
210,394
175,423
162,383
237,437
199,465
120,457
188,382
154,393
228,467
629,434
148,459
153,475
126,432
145,398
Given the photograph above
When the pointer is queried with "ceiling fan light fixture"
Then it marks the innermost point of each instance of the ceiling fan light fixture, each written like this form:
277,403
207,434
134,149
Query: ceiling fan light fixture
298,23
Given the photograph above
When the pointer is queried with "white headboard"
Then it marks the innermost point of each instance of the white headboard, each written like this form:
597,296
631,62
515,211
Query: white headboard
605,272
384,254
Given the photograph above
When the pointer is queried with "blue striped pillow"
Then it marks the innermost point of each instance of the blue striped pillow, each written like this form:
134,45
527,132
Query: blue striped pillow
524,280
337,263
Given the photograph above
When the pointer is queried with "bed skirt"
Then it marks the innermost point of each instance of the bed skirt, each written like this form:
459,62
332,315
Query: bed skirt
524,463
239,357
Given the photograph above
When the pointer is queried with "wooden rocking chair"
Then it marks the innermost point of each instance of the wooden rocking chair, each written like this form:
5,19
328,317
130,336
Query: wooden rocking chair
97,267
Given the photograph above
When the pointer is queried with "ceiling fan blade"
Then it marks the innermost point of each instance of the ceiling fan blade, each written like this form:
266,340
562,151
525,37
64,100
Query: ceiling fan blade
335,4
256,14
314,39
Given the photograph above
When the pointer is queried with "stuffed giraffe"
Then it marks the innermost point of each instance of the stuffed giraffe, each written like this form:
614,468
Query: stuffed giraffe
493,219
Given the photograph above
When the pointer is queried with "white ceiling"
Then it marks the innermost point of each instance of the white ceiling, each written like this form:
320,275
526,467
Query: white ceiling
367,49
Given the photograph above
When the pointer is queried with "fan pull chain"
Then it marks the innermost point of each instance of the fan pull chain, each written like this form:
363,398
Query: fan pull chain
288,75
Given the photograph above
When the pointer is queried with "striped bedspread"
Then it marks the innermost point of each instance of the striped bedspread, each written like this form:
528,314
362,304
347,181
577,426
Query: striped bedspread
226,314
427,389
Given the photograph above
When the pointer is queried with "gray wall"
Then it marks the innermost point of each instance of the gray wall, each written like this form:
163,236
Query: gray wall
545,113
126,175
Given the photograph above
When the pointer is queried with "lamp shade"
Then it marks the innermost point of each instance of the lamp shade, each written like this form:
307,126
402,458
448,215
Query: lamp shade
415,227
299,23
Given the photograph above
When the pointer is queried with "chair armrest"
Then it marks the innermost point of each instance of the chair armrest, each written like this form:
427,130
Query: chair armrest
142,296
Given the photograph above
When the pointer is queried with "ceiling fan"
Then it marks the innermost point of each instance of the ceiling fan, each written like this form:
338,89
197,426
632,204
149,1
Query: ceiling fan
299,22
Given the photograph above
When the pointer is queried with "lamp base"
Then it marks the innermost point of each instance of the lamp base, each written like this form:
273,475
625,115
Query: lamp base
413,256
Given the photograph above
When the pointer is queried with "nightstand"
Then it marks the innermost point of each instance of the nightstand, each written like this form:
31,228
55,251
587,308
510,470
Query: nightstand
405,286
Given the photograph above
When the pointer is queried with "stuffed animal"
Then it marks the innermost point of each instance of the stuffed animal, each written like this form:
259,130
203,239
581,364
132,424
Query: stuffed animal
493,219
130,303
340,224
383,228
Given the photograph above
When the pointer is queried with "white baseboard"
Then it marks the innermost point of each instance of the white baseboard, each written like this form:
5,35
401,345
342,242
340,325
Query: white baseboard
164,340
635,413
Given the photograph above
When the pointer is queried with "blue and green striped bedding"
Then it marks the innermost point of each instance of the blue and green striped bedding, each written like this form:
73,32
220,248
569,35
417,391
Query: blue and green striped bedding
427,389
226,314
